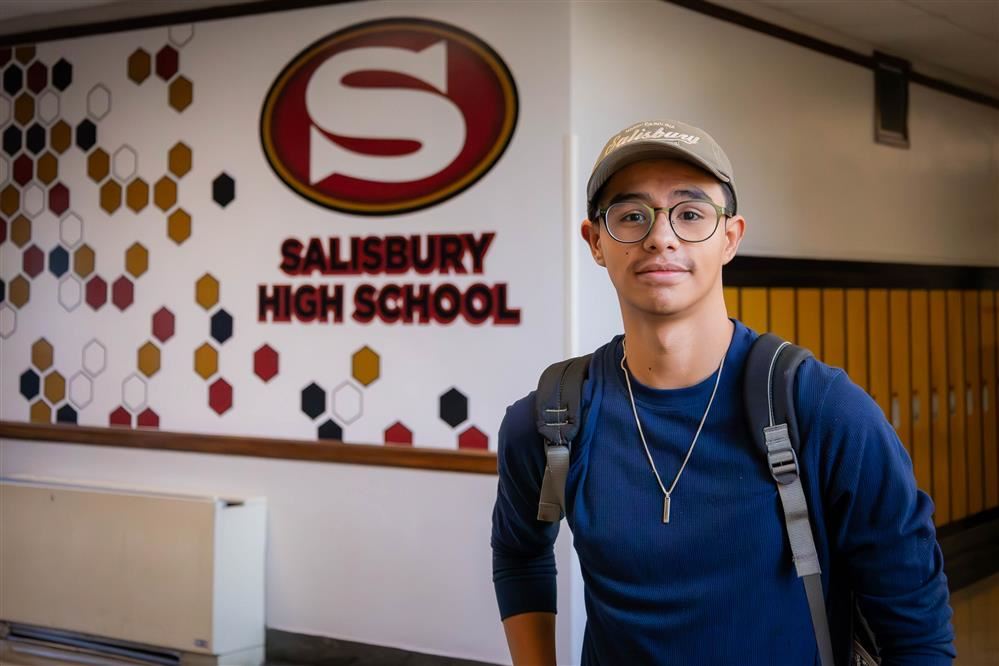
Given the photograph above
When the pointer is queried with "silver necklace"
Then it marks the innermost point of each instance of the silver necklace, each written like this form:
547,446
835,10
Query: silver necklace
634,409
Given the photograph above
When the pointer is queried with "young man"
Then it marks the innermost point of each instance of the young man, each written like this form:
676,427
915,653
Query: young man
663,423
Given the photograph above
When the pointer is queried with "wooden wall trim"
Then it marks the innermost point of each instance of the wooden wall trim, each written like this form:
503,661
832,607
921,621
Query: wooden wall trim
474,462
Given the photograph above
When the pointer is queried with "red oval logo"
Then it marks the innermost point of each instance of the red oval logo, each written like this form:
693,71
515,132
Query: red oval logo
389,116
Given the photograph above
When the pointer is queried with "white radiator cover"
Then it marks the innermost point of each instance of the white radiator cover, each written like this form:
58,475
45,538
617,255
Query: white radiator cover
173,571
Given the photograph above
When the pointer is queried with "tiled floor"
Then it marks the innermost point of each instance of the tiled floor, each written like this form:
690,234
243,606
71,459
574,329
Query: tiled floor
976,623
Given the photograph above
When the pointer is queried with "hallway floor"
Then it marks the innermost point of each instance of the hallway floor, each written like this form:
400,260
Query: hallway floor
976,623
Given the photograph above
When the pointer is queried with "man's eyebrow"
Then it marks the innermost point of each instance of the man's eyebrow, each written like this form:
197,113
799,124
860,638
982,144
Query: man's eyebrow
630,196
691,192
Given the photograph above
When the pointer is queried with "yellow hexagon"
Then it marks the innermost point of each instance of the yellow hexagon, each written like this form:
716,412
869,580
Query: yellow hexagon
149,359
206,361
48,168
206,291
181,93
98,165
20,231
24,109
10,200
179,226
165,193
83,261
55,387
20,291
136,259
61,137
139,66
366,365
137,195
179,159
110,196
40,413
41,354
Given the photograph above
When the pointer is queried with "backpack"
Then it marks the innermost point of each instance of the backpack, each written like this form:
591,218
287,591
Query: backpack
768,394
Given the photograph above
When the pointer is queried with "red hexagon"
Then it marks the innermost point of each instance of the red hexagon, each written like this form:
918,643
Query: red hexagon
163,323
220,396
167,62
23,169
473,438
122,293
399,435
120,417
33,261
265,363
37,77
59,199
148,419
97,292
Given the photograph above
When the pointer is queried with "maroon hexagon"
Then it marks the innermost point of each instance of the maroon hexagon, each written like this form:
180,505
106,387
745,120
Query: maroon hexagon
97,292
120,417
167,62
33,261
163,323
265,363
23,170
148,419
473,438
398,435
59,199
122,293
220,396
38,77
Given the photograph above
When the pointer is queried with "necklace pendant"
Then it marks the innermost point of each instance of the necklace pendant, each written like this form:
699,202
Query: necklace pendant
666,509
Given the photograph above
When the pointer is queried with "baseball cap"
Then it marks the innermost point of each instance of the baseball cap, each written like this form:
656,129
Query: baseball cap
652,139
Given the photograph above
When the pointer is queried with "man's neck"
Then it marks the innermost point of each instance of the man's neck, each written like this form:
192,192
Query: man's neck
669,353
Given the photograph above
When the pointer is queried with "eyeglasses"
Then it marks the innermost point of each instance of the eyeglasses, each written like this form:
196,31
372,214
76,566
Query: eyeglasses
692,221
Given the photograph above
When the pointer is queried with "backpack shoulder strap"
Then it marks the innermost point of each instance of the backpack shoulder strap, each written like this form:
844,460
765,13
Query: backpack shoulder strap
557,410
768,390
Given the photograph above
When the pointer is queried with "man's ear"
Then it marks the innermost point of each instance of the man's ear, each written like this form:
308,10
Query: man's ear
735,229
591,234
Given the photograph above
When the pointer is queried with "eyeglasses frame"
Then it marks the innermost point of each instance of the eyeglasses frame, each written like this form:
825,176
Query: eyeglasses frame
720,210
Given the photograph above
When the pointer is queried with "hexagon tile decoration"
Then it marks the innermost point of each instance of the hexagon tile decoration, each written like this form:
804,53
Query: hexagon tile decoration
348,403
8,321
399,435
221,326
179,226
122,293
134,392
139,66
206,291
136,260
453,407
30,384
94,358
223,189
120,417
330,429
220,396
66,414
365,365
473,438
148,359
265,363
42,354
313,400
163,324
180,93
81,390
206,361
148,419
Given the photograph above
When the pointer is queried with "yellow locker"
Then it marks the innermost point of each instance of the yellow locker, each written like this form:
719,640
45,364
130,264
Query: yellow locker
856,336
939,412
900,403
833,327
956,406
782,313
973,408
989,424
877,341
753,307
809,327
732,301
919,322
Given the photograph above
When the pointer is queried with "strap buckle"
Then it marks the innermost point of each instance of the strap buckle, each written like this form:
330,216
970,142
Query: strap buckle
781,456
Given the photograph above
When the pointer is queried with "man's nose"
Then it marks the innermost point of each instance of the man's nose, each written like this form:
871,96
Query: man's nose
661,235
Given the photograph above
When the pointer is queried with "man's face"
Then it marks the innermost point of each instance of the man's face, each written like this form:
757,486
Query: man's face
663,275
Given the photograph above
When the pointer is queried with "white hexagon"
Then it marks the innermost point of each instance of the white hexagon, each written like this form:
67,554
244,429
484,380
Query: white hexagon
94,358
124,163
81,390
5,110
70,292
180,34
4,170
348,403
71,230
48,107
33,200
98,102
8,320
134,392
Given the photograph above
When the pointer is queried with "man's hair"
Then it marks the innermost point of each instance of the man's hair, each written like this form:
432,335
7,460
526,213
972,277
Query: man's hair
727,194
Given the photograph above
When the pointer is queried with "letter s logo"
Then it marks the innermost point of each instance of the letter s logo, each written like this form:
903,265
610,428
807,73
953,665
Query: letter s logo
390,116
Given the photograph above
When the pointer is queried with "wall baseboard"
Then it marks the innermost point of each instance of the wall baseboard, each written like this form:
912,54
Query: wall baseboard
287,648
970,548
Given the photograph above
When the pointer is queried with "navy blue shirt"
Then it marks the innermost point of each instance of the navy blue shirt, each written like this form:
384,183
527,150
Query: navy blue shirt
716,585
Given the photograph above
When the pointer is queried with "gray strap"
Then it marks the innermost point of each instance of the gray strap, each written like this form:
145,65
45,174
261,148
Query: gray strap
817,607
553,483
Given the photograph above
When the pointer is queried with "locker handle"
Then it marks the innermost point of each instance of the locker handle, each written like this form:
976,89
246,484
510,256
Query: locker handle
969,400
896,412
915,406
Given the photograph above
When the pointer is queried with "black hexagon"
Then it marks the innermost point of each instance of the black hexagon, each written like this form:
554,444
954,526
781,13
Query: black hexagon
58,261
86,135
62,74
223,189
331,430
454,407
13,80
35,138
12,139
313,400
66,414
29,384
221,325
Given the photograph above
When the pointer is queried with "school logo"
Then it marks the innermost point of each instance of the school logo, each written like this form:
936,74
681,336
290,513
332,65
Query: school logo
389,116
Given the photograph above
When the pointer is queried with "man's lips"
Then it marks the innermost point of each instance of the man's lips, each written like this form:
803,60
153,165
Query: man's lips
662,268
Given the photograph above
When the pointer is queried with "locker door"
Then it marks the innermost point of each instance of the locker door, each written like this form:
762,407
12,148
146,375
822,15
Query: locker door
782,313
956,406
809,309
833,327
732,301
753,308
878,353
919,318
988,318
856,337
901,389
972,403
939,412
